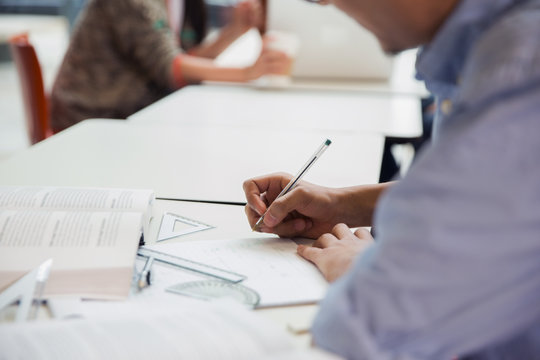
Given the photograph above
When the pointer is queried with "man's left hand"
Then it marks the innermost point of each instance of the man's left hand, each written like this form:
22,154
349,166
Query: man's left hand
334,253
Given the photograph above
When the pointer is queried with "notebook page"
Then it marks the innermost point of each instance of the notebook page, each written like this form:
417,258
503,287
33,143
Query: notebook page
272,266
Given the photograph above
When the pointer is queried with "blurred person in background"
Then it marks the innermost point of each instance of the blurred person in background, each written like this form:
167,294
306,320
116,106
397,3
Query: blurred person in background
126,54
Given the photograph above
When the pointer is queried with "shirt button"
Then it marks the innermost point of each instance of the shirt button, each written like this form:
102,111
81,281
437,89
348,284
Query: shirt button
446,107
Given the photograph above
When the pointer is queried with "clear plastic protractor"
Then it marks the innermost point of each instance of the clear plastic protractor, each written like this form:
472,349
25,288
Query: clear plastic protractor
215,289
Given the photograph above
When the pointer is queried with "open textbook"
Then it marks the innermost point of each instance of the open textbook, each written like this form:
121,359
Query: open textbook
201,331
91,234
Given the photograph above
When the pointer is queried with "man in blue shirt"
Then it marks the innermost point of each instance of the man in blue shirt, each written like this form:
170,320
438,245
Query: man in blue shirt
455,270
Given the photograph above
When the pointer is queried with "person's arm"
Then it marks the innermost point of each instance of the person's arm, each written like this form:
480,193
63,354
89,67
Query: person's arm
192,69
151,49
246,15
308,210
454,268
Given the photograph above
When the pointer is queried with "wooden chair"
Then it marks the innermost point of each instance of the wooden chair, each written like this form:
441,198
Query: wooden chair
34,98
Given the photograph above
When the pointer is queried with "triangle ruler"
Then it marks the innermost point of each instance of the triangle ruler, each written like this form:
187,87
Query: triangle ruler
173,225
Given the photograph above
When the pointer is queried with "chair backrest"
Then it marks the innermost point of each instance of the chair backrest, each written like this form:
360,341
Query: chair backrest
33,91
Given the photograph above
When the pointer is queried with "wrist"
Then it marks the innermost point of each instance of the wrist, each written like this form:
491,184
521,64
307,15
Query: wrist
345,204
358,203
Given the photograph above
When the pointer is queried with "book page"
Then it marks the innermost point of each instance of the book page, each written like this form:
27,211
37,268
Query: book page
75,198
59,229
272,266
206,331
75,241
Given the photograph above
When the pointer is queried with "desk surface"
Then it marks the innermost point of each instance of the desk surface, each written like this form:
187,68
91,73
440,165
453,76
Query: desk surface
198,163
242,105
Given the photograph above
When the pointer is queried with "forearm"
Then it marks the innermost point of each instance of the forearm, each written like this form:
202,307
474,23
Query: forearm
212,49
196,69
357,203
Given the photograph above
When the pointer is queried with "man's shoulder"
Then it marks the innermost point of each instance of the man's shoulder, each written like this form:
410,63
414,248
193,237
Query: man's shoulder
506,58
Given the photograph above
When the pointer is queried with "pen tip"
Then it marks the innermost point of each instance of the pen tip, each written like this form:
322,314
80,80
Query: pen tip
328,142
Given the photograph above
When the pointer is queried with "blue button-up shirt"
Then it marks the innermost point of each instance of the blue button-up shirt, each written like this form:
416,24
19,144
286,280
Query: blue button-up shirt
456,267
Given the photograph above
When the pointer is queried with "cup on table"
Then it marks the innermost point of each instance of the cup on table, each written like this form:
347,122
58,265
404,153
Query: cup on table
287,43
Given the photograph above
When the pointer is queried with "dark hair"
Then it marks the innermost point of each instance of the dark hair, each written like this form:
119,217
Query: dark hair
195,16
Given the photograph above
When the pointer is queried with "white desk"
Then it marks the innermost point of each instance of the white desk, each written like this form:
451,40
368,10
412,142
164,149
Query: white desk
246,106
200,163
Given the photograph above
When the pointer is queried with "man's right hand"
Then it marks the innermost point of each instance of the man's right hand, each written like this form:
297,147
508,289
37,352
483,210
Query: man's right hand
307,211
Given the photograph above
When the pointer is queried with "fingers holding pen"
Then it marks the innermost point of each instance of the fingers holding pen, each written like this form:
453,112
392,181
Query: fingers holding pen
295,200
260,192
289,199
291,228
285,216
253,196
251,215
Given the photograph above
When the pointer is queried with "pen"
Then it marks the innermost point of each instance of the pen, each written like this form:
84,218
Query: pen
145,277
294,181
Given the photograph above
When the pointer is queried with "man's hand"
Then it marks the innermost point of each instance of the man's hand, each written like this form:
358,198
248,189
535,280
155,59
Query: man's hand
334,253
308,210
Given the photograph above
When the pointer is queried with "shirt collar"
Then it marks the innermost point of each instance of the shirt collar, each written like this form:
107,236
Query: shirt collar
440,62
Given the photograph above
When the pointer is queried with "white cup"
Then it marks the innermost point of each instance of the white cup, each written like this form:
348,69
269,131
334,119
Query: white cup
288,43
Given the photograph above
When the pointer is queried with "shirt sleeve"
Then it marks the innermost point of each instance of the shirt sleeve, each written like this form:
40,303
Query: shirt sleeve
456,265
142,35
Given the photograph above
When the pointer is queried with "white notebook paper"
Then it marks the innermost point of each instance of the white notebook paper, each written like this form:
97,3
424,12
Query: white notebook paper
272,266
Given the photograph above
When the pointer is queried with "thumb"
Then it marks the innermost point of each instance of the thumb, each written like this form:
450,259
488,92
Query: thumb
279,209
295,200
